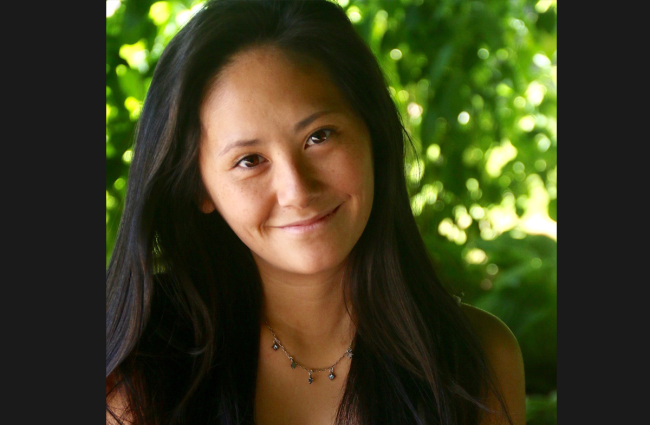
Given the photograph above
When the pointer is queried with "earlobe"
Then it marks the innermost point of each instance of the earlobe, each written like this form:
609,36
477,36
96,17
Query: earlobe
206,206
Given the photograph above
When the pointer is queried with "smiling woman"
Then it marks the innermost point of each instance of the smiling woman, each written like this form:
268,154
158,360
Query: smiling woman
299,196
267,211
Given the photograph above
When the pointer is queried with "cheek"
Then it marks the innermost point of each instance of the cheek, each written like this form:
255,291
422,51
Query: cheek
243,206
367,181
357,175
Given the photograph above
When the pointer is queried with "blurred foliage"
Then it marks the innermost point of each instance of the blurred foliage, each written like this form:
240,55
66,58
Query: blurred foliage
476,84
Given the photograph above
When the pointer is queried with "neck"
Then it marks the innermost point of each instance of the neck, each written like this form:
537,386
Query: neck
307,312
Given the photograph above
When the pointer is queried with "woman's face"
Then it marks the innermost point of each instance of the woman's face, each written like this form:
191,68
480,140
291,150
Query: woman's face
286,162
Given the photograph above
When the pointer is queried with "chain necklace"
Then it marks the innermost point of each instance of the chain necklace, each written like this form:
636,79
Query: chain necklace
277,344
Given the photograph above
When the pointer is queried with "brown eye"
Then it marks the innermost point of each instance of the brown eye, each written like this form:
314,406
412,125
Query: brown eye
249,161
319,136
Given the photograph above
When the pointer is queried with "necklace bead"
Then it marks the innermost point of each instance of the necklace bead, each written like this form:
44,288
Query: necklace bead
277,345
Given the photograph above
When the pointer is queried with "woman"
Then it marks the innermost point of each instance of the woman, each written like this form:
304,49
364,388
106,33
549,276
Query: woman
268,268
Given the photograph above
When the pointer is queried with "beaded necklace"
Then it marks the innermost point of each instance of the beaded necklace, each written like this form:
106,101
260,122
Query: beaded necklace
277,344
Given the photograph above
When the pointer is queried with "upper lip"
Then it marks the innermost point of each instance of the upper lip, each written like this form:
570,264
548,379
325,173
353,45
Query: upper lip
312,220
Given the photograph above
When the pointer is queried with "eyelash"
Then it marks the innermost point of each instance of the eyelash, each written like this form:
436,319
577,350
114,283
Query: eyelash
327,130
238,163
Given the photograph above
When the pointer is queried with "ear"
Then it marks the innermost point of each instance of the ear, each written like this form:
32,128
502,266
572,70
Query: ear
206,205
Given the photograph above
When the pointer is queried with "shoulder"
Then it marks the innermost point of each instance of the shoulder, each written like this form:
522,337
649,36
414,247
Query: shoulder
116,401
495,336
504,357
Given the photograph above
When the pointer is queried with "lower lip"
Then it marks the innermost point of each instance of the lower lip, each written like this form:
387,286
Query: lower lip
311,227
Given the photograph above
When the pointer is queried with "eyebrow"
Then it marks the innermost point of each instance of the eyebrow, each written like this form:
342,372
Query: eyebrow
299,126
310,119
238,144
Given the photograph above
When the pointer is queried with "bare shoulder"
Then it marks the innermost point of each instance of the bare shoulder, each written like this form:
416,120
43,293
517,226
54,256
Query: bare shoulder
504,356
116,401
495,336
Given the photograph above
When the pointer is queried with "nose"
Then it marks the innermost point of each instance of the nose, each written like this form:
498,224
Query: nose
296,183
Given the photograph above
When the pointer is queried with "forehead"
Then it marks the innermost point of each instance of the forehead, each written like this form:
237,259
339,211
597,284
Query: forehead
266,83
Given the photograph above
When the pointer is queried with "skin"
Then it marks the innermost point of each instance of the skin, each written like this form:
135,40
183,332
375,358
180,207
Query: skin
504,357
292,173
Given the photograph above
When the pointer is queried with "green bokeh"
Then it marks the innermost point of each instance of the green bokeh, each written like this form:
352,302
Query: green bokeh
476,84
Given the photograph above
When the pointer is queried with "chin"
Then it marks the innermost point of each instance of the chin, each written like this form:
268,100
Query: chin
303,263
308,265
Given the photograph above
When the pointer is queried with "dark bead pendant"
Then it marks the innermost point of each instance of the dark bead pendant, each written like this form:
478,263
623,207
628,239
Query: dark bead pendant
331,376
275,346
311,379
293,364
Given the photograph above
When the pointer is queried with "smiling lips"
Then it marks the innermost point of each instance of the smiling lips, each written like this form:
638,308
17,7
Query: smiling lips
309,224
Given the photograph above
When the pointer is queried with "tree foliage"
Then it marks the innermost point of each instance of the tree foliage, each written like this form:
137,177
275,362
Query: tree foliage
476,84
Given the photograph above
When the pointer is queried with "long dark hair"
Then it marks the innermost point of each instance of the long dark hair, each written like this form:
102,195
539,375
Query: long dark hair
183,292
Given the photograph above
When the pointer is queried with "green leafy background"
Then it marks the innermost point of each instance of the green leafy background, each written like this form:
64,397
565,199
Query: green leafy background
476,84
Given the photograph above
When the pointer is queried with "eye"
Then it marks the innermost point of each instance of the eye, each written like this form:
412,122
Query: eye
249,161
319,136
